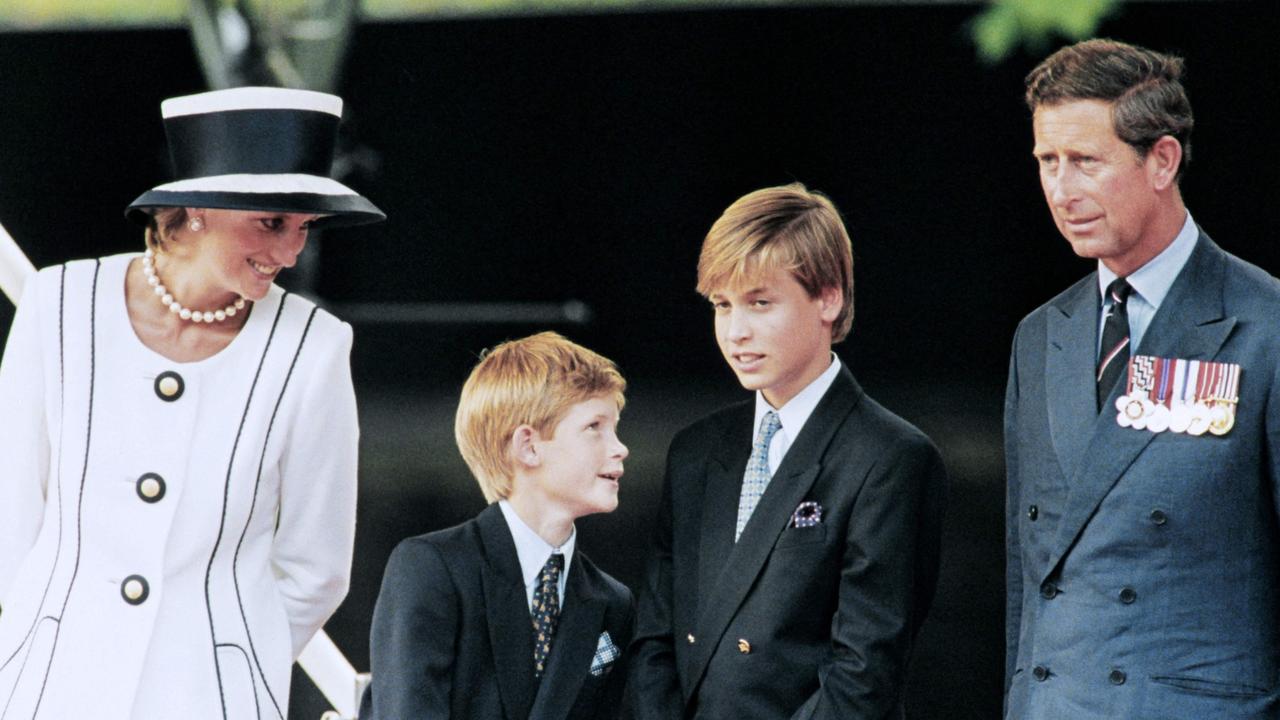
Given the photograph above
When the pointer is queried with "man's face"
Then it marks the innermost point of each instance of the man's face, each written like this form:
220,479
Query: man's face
775,337
1101,193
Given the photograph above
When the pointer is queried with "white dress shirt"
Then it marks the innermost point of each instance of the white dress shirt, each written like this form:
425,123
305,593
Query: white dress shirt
533,552
794,414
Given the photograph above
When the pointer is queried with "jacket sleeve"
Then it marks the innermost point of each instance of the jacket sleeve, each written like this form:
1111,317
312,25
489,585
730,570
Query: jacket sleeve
653,685
312,549
1013,548
24,442
887,580
413,640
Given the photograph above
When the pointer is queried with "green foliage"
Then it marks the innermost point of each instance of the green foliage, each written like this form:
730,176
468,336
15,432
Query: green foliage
1007,23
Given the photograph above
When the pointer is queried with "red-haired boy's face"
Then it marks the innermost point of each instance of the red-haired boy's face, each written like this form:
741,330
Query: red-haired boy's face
582,460
775,337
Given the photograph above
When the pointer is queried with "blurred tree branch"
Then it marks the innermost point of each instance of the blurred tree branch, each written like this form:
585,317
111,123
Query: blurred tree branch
1006,24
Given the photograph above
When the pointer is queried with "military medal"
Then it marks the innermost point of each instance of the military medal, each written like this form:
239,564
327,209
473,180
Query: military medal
1227,393
1177,395
1158,421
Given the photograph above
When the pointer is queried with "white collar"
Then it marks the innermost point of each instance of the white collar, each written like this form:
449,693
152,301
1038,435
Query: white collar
795,413
531,549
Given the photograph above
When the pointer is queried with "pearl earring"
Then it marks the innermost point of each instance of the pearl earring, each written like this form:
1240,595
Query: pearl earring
196,224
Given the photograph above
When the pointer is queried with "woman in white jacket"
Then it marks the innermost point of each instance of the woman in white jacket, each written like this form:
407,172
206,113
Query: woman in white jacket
178,438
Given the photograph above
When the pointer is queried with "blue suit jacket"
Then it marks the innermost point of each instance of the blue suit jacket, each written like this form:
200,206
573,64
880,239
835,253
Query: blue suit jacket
1144,569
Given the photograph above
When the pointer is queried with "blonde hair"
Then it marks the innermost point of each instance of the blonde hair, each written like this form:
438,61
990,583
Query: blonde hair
532,381
790,228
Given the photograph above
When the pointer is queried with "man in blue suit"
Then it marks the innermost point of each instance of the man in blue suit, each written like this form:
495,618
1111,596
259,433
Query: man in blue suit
1142,426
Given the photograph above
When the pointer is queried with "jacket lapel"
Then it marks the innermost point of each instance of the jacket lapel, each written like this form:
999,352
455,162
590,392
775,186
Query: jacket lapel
1070,359
720,500
1189,324
574,645
507,610
791,482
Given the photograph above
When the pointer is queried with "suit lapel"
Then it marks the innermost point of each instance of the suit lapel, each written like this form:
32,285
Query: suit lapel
574,645
720,500
1189,324
507,610
1070,359
790,483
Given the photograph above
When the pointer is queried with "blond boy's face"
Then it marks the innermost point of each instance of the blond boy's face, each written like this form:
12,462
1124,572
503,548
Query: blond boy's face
582,460
775,337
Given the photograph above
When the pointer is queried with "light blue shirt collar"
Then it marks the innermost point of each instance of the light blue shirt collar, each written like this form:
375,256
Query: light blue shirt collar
1153,280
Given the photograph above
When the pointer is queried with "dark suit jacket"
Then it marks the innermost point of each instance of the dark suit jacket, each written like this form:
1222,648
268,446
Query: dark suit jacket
452,635
812,622
1144,568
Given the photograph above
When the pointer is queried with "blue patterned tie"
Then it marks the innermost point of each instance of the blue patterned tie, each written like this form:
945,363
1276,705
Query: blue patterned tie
546,611
756,478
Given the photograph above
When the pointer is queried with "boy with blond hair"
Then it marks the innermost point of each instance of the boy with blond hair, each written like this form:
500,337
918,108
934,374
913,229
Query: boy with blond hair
796,549
502,616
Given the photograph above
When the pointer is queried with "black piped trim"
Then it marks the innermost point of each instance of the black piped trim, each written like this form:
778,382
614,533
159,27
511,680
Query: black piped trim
257,707
254,502
226,488
84,473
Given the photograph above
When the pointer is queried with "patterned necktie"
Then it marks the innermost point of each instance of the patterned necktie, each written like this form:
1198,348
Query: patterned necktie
546,611
756,478
1114,354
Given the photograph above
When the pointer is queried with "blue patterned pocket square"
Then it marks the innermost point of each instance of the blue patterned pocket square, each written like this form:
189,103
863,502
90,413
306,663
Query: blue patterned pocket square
807,514
606,654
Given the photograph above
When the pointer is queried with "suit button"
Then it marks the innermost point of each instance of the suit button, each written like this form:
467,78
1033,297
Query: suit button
1048,591
169,386
744,647
1040,673
135,590
1033,512
150,488
1117,677
1128,595
691,638
1158,517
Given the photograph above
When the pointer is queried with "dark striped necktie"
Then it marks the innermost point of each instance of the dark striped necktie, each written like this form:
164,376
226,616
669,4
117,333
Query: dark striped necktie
1114,354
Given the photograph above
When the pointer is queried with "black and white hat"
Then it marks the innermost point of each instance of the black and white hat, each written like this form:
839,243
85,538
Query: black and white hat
255,148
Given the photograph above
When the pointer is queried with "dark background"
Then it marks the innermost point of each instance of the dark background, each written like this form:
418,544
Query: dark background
538,159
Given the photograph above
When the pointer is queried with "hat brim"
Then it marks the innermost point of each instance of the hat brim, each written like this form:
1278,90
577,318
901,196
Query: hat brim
339,204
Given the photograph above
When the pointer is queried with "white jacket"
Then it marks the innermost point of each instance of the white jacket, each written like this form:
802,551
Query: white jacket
167,556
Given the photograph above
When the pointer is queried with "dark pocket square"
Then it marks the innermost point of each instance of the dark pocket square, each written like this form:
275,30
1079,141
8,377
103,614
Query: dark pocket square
807,514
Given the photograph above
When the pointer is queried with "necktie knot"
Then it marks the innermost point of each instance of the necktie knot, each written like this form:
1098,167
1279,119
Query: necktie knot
1119,290
770,424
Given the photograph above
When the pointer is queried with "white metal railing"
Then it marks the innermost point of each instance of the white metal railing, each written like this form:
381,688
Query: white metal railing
321,660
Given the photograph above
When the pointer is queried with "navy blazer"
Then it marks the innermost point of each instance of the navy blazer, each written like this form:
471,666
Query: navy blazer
452,635
807,622
1143,568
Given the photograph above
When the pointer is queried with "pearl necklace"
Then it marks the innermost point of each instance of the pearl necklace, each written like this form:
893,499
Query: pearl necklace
149,269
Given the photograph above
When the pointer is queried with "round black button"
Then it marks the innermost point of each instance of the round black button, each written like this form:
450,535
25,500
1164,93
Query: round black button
169,386
1048,591
1128,595
135,590
1040,673
1033,512
1117,677
1158,517
150,488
